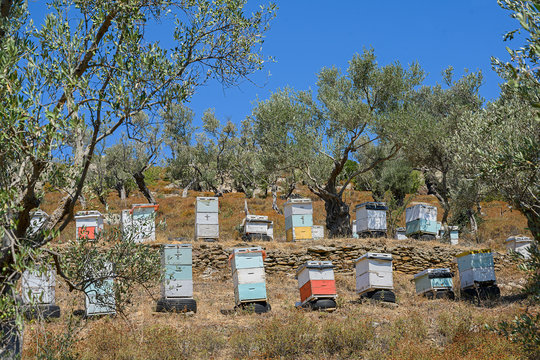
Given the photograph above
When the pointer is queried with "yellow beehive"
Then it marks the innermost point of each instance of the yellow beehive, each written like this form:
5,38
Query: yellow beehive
299,233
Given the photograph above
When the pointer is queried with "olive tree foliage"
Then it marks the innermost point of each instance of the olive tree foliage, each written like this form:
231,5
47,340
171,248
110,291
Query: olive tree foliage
74,81
429,141
316,135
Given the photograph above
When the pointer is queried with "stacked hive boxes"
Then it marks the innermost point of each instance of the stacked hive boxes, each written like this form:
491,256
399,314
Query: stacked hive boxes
477,273
298,219
89,224
100,299
374,277
247,265
38,291
519,244
435,283
206,218
316,281
454,235
258,227
139,223
421,221
177,264
371,219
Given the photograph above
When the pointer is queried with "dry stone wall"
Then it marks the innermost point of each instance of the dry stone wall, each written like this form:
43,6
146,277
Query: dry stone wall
408,258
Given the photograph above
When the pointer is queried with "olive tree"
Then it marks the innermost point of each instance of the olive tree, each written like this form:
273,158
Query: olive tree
75,80
316,135
429,140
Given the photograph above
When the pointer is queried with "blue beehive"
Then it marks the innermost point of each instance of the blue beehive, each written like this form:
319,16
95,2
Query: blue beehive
100,298
421,219
431,281
247,265
298,220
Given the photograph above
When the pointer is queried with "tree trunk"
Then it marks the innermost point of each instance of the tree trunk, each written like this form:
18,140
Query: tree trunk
185,192
274,200
338,220
141,184
533,223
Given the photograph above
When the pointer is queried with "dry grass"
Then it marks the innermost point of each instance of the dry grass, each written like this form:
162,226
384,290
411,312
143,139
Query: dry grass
417,329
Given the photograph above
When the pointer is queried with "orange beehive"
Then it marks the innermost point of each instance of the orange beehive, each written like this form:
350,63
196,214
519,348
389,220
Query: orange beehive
314,288
316,280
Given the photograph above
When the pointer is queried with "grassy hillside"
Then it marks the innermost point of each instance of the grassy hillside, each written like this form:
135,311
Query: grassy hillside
414,329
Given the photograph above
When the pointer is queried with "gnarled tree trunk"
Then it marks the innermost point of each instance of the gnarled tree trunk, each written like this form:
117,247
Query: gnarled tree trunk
141,184
338,220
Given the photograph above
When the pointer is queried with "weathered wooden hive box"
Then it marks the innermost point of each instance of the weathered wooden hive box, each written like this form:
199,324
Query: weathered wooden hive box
247,265
432,280
400,234
38,287
139,223
99,295
371,217
421,219
258,225
519,244
476,267
177,266
373,272
316,280
88,224
207,218
298,219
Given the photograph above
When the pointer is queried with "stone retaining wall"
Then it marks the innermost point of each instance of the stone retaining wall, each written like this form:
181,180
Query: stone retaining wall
408,258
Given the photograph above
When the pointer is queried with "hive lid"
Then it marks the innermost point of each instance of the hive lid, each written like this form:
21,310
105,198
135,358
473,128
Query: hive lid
40,213
142,206
435,273
519,239
371,255
257,218
297,201
88,214
372,205
314,265
247,250
175,246
481,251
206,198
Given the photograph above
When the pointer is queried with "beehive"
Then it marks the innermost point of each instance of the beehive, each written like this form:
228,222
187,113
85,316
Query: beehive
431,280
421,219
38,286
176,262
36,222
354,232
316,280
139,223
400,234
317,232
519,244
88,224
99,295
454,235
258,225
207,218
298,219
476,268
247,265
371,217
373,272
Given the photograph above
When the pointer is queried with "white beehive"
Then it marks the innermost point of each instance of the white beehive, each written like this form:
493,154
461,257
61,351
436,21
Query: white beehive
374,271
476,267
400,234
297,207
258,225
38,286
207,218
371,216
139,223
36,222
89,224
317,232
519,244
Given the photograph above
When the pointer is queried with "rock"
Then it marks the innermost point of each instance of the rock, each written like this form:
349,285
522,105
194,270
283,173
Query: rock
319,249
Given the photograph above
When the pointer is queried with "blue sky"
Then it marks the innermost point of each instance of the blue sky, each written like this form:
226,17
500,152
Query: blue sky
307,35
